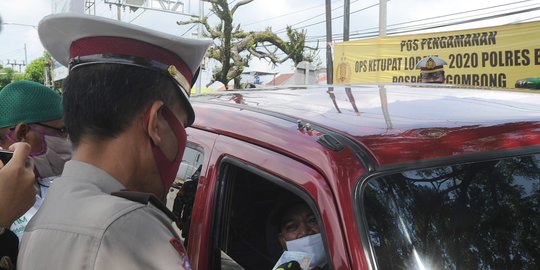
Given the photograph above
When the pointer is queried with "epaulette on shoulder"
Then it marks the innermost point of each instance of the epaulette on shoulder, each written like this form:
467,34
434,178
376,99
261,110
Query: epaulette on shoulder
145,198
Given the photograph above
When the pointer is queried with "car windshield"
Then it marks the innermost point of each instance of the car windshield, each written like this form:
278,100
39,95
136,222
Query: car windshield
471,216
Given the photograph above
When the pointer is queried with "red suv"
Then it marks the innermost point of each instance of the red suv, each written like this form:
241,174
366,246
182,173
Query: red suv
398,177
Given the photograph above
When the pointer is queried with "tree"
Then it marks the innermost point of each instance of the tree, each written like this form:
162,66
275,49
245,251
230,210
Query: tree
7,76
234,48
35,71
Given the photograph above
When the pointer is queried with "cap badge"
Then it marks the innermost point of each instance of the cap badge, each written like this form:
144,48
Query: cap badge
179,78
430,63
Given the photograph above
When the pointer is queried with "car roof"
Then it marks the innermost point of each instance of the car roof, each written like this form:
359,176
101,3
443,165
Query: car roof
398,123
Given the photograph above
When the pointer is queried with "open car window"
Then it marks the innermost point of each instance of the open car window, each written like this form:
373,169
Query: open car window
245,235
483,215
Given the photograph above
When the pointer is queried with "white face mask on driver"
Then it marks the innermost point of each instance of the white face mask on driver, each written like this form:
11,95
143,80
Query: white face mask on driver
311,244
58,152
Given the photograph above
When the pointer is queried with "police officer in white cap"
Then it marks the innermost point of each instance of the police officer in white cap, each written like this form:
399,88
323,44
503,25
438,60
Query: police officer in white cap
431,69
126,108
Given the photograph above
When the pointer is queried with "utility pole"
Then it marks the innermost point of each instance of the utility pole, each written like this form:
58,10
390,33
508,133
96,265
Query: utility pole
306,77
199,35
346,19
25,55
118,11
329,62
382,18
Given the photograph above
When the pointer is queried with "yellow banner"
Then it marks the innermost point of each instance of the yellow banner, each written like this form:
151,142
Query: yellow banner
485,57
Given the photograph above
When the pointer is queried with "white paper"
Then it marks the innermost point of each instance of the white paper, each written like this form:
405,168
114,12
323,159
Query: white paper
301,257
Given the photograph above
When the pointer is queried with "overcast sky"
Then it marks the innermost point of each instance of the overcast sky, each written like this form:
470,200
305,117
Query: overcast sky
303,14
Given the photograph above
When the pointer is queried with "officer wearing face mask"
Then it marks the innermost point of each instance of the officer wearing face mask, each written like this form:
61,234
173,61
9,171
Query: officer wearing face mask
126,105
31,112
298,230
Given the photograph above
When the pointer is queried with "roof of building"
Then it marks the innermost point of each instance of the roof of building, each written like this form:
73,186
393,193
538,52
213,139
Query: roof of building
280,79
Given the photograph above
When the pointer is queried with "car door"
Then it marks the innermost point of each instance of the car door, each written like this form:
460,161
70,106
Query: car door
234,199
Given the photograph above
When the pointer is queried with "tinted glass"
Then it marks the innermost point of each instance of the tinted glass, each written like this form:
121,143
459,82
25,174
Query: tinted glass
470,216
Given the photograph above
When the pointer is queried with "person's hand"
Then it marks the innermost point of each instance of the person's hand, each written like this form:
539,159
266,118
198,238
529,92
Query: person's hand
17,190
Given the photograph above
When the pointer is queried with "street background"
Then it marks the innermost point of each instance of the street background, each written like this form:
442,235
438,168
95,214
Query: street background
19,41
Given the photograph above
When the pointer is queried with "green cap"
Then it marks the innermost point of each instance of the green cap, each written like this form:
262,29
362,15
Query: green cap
28,102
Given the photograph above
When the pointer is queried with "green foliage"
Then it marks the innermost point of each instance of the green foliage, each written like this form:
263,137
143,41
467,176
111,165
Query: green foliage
35,71
6,76
17,77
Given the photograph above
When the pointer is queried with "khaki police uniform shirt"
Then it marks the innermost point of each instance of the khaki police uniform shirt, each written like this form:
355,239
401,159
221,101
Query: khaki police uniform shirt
81,226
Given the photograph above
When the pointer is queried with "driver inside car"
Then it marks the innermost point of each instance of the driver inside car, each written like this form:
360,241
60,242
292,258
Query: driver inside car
298,230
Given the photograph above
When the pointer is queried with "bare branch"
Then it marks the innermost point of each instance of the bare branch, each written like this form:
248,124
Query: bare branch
211,82
204,22
188,22
241,3
313,48
272,57
268,50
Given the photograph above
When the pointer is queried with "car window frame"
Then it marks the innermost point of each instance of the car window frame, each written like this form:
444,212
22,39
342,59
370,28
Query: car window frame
382,171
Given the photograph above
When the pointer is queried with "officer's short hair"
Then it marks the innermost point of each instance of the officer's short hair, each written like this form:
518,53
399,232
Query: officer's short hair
101,101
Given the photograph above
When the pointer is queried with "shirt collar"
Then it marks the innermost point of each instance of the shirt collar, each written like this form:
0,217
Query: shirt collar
82,171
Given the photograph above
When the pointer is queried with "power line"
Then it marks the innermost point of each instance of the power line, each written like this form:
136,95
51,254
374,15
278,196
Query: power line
472,20
462,12
144,10
319,15
187,31
472,16
395,31
291,13
365,31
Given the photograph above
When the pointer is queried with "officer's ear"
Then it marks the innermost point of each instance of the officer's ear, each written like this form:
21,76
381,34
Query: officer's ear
21,132
153,124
